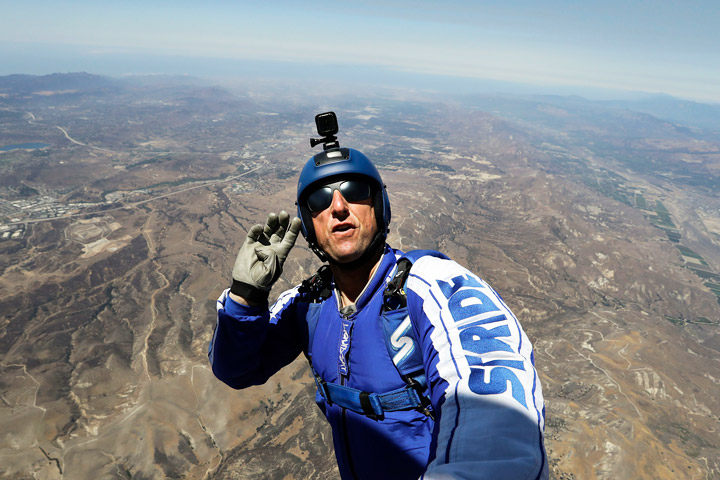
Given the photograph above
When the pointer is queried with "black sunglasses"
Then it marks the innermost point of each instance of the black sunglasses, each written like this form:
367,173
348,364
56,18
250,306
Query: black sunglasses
351,190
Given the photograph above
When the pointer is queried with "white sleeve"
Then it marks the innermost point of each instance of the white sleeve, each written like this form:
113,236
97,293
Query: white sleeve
480,368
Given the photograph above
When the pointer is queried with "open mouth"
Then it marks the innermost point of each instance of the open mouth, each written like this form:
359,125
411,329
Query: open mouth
342,228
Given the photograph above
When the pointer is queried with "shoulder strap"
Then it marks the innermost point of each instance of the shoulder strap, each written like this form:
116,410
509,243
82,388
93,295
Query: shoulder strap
394,296
314,290
317,288
400,339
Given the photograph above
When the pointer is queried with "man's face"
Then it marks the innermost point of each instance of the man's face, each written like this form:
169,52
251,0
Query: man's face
345,229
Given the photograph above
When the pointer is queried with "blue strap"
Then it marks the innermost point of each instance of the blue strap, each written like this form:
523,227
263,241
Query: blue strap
366,403
371,404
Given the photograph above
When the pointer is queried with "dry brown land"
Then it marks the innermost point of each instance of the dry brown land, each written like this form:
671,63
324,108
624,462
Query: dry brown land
106,316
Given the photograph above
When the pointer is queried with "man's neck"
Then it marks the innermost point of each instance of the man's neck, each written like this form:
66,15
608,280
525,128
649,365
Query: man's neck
350,282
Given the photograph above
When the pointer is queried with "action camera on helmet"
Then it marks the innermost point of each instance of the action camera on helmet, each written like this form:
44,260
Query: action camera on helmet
327,127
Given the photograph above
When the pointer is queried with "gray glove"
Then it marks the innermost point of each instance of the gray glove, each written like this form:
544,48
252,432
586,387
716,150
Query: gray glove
260,260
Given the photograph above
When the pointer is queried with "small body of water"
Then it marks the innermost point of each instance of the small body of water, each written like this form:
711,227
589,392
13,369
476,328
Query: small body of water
23,146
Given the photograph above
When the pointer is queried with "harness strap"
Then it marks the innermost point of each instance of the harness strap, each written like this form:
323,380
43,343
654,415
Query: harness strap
371,404
318,288
394,295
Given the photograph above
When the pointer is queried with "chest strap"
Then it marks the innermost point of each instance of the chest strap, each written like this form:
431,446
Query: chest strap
374,405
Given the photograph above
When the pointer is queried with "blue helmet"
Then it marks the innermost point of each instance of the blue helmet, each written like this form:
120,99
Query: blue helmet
333,164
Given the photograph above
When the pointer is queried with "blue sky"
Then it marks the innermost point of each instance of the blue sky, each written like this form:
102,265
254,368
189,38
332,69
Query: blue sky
650,46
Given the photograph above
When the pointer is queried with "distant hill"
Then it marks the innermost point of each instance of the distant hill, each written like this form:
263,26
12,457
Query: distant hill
21,84
686,112
64,84
73,89
657,115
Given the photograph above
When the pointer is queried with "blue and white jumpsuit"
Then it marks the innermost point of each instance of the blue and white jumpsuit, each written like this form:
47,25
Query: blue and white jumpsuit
486,397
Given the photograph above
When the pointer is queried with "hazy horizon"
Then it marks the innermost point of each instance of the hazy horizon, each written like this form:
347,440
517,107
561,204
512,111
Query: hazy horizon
599,51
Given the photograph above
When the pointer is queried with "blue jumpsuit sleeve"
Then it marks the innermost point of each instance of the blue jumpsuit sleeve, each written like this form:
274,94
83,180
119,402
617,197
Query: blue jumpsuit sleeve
484,388
250,344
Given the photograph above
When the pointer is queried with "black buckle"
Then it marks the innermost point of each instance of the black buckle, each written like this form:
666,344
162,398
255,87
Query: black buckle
321,386
425,403
394,297
367,407
318,286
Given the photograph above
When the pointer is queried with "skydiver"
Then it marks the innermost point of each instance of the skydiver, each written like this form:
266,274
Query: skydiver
421,368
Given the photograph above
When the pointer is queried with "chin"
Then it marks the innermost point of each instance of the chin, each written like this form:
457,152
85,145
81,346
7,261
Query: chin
346,258
345,252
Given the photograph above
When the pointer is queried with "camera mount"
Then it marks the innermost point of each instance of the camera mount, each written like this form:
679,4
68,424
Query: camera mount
327,127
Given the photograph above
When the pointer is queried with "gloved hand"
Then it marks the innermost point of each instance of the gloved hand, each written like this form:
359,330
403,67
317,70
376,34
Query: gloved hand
260,260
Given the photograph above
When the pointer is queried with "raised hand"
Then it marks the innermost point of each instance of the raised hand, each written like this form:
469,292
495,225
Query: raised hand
260,260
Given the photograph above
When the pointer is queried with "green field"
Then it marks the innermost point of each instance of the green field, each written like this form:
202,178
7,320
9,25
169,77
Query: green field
640,202
673,236
689,252
714,287
705,274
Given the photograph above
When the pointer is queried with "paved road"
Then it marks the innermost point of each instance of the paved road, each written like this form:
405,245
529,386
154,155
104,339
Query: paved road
141,202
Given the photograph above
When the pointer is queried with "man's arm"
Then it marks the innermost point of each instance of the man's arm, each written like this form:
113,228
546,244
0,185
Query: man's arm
247,348
483,383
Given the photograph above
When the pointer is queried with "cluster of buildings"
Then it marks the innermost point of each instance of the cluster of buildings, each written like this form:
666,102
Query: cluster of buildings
41,206
14,212
14,232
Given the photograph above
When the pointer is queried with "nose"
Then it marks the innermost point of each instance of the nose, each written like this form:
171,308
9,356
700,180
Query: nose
339,204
